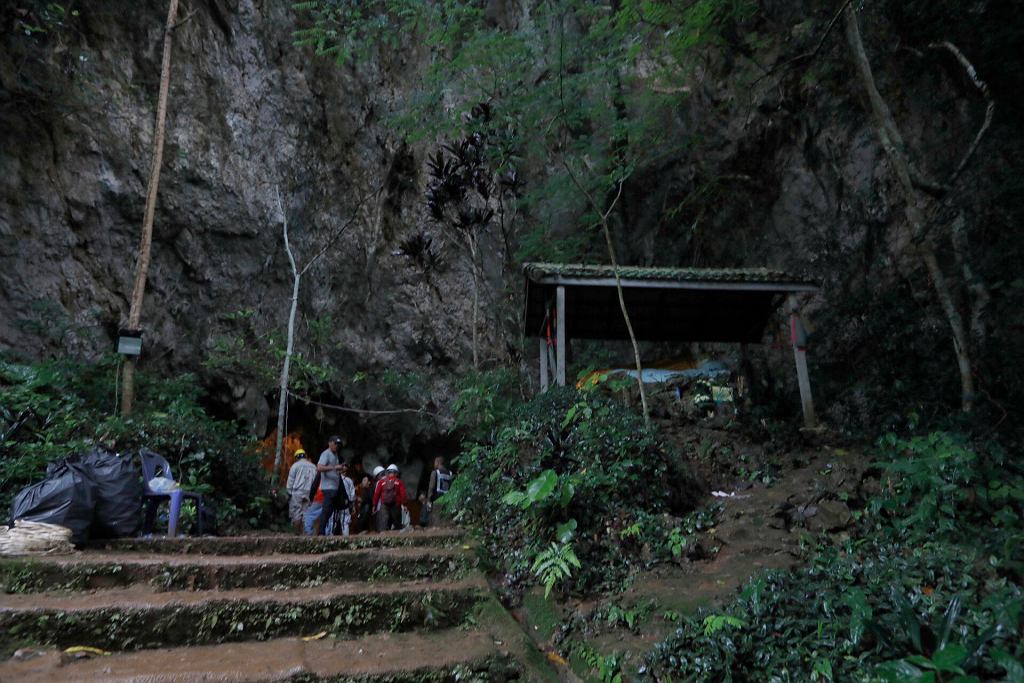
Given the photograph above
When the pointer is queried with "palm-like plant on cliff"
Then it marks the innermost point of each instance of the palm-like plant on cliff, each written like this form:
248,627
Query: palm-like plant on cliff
466,195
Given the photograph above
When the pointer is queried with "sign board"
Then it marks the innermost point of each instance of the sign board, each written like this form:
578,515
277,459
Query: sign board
129,343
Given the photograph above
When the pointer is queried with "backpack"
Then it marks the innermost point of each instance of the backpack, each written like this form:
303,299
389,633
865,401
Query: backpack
389,493
444,481
341,500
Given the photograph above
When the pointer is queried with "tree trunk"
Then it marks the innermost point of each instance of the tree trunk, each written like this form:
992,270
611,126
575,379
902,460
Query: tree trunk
629,324
146,243
895,149
282,403
476,301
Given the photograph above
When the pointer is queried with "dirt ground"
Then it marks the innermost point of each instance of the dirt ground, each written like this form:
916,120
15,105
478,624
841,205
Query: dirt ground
758,526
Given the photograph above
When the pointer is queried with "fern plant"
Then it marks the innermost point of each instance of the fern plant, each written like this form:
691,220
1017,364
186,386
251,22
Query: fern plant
555,563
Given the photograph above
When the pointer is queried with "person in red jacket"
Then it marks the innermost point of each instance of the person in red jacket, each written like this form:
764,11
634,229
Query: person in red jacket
390,493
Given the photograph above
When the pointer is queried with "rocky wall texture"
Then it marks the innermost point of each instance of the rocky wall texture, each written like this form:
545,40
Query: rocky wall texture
782,168
249,115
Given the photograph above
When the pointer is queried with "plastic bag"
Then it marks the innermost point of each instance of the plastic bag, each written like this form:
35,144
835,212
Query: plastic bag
65,497
161,484
117,493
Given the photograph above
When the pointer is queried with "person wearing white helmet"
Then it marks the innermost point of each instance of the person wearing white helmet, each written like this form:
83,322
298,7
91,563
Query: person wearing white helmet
300,478
371,522
390,495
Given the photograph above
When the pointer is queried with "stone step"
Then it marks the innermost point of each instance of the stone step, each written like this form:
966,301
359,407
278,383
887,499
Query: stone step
139,617
445,655
104,569
281,543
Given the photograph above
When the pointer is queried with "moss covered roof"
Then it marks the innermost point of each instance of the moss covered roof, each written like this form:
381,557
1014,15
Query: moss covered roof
541,271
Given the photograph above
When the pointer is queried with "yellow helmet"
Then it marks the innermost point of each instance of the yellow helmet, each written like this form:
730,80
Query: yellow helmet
300,453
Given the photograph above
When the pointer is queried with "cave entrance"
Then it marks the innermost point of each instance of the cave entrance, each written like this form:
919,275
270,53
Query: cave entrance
407,440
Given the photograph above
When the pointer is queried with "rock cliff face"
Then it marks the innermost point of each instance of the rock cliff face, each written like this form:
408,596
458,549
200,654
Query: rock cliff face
787,173
249,115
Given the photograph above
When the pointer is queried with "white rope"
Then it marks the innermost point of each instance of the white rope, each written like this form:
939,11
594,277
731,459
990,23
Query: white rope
34,538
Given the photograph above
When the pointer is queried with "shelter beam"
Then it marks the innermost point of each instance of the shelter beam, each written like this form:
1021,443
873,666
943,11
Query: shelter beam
560,336
543,347
798,337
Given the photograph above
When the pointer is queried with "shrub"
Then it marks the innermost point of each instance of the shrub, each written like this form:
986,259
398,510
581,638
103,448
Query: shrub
53,409
571,469
929,590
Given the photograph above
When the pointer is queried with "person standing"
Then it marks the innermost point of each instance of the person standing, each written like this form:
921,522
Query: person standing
346,500
378,521
364,493
390,494
311,522
300,478
330,480
440,482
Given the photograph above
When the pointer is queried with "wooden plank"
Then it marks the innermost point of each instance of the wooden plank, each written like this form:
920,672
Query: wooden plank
543,346
674,284
800,356
560,337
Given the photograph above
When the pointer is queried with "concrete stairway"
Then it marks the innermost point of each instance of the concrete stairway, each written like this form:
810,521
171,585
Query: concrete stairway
388,607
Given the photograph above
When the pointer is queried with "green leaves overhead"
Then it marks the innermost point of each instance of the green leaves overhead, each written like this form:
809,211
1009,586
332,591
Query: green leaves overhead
587,86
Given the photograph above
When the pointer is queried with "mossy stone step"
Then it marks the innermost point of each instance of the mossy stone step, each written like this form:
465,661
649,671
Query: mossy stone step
428,657
281,543
139,617
102,569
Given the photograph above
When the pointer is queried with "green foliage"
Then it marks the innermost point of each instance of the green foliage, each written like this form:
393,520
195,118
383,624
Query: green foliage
616,615
939,485
608,668
486,399
53,409
713,623
536,491
567,467
555,564
248,348
929,589
40,18
588,85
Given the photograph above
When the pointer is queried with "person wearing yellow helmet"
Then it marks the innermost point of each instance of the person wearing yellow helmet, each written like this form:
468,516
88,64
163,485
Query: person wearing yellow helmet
300,479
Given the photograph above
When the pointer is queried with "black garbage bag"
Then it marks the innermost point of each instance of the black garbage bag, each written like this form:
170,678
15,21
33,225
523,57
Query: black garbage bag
117,492
65,497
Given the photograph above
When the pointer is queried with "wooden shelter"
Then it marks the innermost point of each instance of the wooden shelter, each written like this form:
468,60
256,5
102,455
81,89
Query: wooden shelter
664,304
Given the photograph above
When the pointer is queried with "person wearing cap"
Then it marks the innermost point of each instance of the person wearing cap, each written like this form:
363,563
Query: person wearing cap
390,494
329,468
300,479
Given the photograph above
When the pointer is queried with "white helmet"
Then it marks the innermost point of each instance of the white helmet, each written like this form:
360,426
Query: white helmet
392,467
377,470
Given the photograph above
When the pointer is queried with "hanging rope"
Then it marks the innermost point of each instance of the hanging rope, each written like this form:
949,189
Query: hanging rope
362,411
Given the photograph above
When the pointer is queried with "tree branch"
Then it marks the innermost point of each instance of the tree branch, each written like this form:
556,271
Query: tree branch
813,53
990,107
337,234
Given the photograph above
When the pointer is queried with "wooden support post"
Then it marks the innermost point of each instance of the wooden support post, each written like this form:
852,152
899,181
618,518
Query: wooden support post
798,337
543,346
560,337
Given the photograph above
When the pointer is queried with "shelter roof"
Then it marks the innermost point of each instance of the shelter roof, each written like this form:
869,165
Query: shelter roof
665,304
